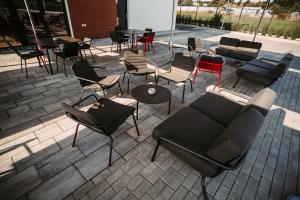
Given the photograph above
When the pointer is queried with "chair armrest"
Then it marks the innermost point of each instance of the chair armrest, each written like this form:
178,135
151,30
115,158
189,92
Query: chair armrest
105,68
152,62
85,79
85,98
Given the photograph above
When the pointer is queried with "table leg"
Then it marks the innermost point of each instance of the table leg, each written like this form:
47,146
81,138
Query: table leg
169,106
132,41
48,56
137,110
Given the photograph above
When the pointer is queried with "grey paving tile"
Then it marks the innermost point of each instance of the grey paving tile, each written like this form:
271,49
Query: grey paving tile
135,182
166,193
83,190
101,176
180,193
107,195
48,132
98,190
142,189
59,186
156,188
20,184
190,181
122,194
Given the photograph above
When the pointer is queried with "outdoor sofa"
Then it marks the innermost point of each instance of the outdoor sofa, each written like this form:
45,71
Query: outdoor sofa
242,50
264,71
214,133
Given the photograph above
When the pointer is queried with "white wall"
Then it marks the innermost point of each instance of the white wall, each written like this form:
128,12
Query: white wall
155,14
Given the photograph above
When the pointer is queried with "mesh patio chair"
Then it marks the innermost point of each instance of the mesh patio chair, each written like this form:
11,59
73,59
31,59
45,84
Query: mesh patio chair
70,50
89,79
136,65
147,41
28,53
104,117
118,39
86,45
194,46
181,68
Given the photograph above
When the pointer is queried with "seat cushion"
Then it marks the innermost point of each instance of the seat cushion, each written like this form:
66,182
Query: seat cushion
250,45
109,81
31,54
109,114
175,76
190,128
217,107
237,138
262,101
242,55
253,69
262,64
212,59
229,41
141,71
223,51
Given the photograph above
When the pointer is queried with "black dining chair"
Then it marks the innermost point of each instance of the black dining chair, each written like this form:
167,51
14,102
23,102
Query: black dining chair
86,46
118,39
26,53
70,50
105,117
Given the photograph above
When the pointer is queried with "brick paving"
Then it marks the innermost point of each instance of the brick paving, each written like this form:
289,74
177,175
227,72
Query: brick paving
38,162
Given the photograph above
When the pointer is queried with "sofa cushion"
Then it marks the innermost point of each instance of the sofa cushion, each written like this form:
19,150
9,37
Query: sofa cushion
237,137
212,59
217,107
279,70
252,69
262,101
262,64
242,55
250,44
288,56
223,51
190,128
229,41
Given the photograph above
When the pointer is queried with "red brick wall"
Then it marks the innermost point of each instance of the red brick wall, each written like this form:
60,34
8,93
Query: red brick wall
98,15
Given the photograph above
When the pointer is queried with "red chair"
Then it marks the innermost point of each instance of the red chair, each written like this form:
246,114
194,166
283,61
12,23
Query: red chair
146,40
210,64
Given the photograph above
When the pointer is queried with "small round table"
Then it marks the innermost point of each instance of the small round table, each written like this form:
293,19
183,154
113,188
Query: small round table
140,94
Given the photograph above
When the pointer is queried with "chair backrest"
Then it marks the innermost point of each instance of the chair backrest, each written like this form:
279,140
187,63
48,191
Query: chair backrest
194,44
229,41
211,63
114,35
135,61
79,116
83,69
182,64
70,49
87,40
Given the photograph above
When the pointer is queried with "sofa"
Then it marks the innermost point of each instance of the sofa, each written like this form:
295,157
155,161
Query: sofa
214,133
264,71
242,50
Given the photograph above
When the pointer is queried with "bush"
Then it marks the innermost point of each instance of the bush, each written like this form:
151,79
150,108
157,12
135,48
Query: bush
227,25
279,32
236,27
252,28
272,31
216,20
287,33
282,16
264,30
245,27
295,33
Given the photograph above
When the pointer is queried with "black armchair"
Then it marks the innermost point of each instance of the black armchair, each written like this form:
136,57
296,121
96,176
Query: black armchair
104,117
28,53
70,50
89,79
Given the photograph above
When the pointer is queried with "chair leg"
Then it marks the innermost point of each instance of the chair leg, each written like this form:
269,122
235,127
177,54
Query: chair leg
111,47
21,64
110,150
56,63
192,89
26,68
219,79
204,187
237,80
65,68
123,77
128,85
39,61
81,94
84,54
136,127
120,88
76,131
146,76
92,55
183,93
155,150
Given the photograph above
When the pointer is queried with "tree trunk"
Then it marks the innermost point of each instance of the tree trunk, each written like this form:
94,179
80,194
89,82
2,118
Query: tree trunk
270,22
240,14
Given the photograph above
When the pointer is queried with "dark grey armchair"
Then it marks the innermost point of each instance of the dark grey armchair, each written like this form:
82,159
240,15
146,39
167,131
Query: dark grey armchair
214,133
104,117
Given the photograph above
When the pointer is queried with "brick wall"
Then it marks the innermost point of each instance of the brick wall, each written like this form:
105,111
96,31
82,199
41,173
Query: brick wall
98,15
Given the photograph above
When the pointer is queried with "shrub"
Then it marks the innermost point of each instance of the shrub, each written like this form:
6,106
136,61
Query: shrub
236,27
294,33
252,28
282,16
216,20
264,30
227,25
279,32
287,33
272,31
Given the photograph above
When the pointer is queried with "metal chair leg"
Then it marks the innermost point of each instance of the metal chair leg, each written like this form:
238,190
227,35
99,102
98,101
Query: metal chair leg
103,92
237,80
123,77
128,85
183,93
65,68
136,127
110,150
81,94
120,88
21,64
204,187
155,150
39,62
192,89
92,55
56,63
26,68
76,131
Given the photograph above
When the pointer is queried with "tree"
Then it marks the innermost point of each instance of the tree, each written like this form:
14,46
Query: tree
276,9
243,5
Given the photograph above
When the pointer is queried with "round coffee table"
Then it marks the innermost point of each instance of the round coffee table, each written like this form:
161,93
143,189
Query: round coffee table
140,94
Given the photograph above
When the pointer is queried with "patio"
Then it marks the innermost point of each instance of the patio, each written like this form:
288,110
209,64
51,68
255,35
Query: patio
38,162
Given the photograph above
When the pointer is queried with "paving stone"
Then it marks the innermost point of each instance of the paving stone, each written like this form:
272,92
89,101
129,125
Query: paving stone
33,91
92,142
180,193
131,197
146,197
124,143
115,176
142,189
95,162
212,187
121,182
67,124
47,82
43,102
190,181
20,184
101,176
177,181
133,167
242,179
135,182
83,190
21,88
191,196
36,153
18,110
166,193
107,195
236,192
122,194
48,132
229,179
98,190
222,192
156,188
169,175
7,169
59,186
57,162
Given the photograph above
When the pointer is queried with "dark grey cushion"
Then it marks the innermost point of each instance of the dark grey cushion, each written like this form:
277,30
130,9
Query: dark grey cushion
223,51
190,128
217,107
213,59
237,137
247,68
262,101
241,55
229,41
250,44
262,64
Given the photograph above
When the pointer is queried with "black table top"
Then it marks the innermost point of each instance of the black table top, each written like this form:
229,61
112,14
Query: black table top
140,93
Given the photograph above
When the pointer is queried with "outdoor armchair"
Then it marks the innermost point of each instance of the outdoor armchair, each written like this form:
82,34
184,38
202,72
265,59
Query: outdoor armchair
70,50
86,45
181,68
89,79
26,53
214,133
147,40
118,39
136,64
104,117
